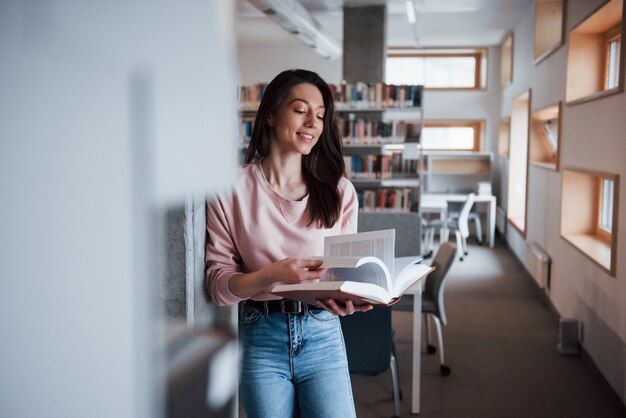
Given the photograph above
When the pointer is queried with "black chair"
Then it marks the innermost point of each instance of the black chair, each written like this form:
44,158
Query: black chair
370,346
369,335
432,300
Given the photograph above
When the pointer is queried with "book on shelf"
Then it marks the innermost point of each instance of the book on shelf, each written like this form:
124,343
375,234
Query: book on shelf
348,96
375,95
361,268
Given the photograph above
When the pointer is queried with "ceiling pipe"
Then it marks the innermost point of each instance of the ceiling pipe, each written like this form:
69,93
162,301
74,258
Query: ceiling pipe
298,21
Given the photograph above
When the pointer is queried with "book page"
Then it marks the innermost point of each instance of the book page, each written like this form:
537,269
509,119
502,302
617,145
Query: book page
379,244
366,273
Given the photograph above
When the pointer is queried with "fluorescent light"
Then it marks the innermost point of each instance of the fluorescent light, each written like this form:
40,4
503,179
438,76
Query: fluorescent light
410,11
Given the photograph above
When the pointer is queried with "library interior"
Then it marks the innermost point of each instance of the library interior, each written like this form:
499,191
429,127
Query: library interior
483,138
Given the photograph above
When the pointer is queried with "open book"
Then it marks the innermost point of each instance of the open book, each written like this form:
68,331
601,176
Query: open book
361,268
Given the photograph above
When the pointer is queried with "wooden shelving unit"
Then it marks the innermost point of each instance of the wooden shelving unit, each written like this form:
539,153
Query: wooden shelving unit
455,172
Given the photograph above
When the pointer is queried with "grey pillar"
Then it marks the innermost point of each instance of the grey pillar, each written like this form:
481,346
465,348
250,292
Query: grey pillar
364,43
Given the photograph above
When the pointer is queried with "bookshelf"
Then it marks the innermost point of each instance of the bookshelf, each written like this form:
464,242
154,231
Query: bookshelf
381,126
455,172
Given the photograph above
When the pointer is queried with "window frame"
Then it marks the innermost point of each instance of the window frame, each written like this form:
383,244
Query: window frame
612,35
477,125
602,232
479,55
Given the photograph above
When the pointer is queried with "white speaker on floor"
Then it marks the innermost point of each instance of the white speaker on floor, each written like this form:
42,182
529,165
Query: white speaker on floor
568,337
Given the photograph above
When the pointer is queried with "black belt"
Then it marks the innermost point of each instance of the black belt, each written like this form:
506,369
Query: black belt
282,305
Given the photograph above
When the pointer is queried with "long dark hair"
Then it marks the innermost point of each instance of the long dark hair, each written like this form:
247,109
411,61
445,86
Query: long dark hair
323,167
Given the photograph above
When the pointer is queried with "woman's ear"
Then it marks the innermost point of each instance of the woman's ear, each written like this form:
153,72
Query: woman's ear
270,121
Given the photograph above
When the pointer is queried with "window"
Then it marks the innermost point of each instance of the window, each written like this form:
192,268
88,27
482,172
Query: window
551,128
452,136
437,69
612,58
589,208
544,137
606,206
595,50
518,162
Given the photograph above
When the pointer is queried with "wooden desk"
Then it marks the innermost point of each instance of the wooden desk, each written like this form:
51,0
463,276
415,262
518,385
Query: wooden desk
489,199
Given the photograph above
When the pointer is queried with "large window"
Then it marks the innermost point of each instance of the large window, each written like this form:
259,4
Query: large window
452,136
437,69
518,162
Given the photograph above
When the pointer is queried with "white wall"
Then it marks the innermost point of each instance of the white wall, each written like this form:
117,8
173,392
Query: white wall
592,138
261,63
108,114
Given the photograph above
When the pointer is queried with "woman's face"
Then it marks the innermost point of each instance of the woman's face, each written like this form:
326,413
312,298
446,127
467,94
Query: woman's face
299,120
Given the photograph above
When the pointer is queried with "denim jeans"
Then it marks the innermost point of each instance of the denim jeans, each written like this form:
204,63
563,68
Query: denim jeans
293,360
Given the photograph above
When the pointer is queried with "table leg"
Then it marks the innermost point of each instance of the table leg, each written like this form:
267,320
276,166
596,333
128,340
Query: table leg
492,221
417,351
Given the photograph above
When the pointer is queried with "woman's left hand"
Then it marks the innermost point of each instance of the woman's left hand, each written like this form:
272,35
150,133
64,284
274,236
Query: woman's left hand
340,309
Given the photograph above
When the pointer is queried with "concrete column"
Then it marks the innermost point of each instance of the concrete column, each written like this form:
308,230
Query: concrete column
364,43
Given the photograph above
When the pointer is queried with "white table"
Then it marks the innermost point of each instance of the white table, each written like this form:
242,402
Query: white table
416,291
437,206
429,201
417,346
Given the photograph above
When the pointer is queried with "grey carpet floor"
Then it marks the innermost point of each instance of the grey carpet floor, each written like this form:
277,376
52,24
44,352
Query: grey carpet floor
500,343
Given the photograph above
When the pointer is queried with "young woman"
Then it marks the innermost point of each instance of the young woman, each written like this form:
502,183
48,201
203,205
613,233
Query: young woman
291,195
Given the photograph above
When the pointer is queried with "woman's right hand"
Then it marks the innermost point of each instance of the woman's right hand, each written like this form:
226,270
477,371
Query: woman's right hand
293,271
289,270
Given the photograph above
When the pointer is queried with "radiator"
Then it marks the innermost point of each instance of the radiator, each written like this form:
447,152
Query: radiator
537,263
501,220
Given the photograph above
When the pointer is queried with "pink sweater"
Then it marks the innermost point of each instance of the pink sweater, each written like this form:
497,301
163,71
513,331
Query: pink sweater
255,226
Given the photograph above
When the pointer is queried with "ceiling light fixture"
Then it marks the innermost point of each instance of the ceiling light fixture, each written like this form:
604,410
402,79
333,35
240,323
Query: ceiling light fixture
412,17
410,11
298,21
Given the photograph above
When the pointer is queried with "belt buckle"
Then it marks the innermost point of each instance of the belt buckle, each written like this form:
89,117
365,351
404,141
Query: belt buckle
285,306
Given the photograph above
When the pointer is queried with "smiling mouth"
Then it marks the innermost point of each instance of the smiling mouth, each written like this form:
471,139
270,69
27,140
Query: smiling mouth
305,136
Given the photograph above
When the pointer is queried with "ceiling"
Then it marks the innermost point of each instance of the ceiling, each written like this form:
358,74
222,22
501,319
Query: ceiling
439,22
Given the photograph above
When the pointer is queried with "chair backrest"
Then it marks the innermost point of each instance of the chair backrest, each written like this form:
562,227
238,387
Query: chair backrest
435,282
407,226
463,221
368,335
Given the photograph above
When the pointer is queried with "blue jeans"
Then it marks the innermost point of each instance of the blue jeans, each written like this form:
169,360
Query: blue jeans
290,359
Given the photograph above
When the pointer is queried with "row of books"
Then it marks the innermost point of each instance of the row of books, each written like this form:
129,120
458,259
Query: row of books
359,131
376,95
367,131
376,166
349,96
398,200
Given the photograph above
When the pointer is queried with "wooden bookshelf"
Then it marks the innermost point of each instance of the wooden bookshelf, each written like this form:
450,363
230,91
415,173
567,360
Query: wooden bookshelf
455,172
580,208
